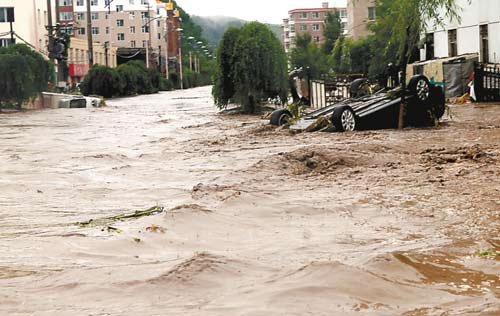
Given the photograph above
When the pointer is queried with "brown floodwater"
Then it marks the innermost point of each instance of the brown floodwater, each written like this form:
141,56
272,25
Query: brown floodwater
253,221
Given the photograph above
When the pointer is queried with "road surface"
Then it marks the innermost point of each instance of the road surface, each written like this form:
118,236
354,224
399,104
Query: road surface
255,221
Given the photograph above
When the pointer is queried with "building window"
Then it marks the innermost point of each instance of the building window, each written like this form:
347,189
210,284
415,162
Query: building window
107,29
119,8
159,36
144,15
80,16
131,15
4,42
372,14
316,39
4,14
315,27
132,29
303,15
343,14
80,31
315,15
94,15
65,3
132,44
144,2
120,36
131,2
452,43
80,3
65,16
303,27
485,49
429,46
145,29
120,23
94,2
158,23
95,30
144,43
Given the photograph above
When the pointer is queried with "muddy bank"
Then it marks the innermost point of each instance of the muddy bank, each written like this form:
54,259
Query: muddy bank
237,218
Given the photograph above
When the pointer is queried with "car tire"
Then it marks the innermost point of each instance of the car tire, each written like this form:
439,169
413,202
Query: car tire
281,117
344,119
420,87
438,101
354,88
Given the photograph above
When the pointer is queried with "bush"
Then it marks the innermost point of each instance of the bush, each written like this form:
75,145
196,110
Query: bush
25,73
127,79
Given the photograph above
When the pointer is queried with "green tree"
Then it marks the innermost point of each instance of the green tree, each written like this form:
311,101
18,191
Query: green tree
332,31
224,87
309,57
258,67
25,73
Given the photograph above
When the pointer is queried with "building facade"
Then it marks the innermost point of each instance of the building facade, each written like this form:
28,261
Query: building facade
31,17
312,21
477,32
125,24
360,13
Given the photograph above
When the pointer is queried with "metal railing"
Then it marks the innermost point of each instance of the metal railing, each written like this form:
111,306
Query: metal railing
487,82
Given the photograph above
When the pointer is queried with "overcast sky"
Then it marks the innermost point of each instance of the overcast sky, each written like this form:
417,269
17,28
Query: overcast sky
270,11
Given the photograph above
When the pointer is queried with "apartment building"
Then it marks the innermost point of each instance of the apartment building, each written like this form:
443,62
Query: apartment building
30,19
309,20
475,33
124,24
360,13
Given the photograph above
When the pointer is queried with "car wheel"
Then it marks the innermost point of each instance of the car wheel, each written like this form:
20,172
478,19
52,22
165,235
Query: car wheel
281,117
420,87
438,101
344,119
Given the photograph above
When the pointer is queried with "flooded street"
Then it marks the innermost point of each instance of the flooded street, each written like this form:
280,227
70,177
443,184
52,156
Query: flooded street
247,220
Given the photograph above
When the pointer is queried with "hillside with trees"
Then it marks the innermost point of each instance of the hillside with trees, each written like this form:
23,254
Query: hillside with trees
214,27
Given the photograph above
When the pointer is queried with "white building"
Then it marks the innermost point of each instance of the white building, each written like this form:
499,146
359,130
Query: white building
477,32
30,21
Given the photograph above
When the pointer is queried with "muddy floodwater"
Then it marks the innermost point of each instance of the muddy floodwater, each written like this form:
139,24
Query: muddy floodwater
244,219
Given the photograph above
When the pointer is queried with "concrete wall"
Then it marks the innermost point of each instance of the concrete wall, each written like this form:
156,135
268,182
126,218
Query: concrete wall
474,14
357,17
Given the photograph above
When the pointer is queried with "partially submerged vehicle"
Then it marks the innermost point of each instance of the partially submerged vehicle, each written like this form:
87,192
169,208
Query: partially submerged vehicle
425,103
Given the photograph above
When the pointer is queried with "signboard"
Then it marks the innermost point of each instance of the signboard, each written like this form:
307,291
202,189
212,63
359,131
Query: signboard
78,70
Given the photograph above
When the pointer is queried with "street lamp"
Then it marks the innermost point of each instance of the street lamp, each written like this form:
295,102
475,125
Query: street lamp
179,30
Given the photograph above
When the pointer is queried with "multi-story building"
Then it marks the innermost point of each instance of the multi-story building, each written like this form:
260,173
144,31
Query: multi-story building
123,24
476,32
31,17
312,21
359,15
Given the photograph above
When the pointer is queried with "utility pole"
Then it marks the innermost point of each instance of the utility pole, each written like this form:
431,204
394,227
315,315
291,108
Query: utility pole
49,27
179,30
190,61
89,35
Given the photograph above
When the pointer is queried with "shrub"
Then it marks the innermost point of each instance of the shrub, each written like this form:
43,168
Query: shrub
24,74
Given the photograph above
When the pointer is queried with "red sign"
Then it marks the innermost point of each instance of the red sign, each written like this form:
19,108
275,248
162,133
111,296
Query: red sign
78,70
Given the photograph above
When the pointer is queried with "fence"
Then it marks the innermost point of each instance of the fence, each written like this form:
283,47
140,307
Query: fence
325,92
487,82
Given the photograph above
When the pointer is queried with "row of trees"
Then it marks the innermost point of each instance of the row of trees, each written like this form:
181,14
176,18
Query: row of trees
127,79
24,74
252,67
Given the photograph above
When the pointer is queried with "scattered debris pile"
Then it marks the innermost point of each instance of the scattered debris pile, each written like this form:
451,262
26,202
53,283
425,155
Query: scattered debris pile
474,153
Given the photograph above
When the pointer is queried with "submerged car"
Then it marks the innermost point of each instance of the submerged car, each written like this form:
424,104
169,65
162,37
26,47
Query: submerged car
425,103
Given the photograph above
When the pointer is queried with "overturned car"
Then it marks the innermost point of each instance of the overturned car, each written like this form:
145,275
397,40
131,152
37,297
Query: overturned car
425,103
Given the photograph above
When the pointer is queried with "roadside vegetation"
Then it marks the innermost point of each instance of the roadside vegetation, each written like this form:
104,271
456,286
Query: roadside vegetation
251,67
24,75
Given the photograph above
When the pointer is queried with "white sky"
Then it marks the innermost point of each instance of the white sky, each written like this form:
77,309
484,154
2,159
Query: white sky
269,11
